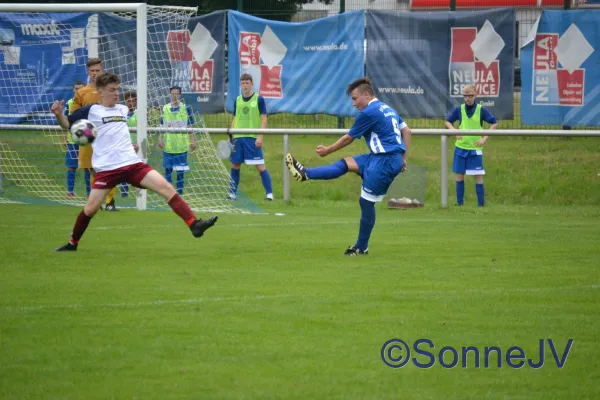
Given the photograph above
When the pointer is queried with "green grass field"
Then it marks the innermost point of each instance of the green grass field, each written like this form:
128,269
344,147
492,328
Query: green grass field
265,306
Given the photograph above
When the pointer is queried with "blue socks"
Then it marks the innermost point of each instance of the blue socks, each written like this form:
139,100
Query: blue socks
331,171
169,174
235,180
169,178
180,182
70,181
367,222
480,194
264,177
88,186
266,181
460,192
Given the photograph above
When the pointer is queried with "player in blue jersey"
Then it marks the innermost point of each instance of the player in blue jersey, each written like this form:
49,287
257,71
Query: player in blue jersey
388,139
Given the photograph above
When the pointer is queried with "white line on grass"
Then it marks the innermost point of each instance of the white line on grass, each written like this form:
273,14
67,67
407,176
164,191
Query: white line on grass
248,225
151,303
146,303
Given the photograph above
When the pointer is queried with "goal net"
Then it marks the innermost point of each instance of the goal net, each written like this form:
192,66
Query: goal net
42,56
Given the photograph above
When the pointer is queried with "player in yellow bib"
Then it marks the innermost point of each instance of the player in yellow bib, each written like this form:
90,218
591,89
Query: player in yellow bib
468,153
249,112
176,115
131,103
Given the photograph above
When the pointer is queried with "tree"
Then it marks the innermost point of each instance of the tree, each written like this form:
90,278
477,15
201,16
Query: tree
281,10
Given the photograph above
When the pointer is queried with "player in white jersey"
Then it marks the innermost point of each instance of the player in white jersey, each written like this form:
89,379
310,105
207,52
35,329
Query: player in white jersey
115,160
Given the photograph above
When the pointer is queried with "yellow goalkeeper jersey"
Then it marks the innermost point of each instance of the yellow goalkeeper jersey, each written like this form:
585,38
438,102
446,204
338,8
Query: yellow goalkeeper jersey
86,96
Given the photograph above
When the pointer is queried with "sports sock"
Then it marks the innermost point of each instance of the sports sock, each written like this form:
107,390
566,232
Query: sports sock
111,195
88,185
169,174
181,208
331,171
81,225
235,180
70,181
266,181
460,192
180,182
367,222
480,194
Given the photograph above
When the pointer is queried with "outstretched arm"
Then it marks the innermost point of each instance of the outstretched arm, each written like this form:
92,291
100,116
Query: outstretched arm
58,109
340,144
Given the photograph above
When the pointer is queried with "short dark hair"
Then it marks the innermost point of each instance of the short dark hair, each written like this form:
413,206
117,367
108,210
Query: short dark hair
93,61
130,94
363,85
77,83
246,77
106,78
175,87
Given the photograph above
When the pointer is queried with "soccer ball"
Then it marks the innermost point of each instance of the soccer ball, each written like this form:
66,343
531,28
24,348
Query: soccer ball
83,132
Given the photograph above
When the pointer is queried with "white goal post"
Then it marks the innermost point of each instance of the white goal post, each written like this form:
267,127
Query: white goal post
141,12
139,42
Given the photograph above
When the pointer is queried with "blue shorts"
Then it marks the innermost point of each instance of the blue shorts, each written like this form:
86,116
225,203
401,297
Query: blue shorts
177,161
245,152
468,162
378,171
72,155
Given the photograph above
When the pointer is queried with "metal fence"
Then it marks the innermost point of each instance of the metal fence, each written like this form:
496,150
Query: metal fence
528,12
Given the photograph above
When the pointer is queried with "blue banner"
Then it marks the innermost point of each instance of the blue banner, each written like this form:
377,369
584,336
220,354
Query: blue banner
419,62
559,70
41,56
192,58
300,68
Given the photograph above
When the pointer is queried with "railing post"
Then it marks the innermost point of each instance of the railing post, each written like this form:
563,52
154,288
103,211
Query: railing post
286,172
340,120
444,170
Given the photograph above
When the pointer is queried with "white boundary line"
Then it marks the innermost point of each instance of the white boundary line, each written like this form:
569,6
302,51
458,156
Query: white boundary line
199,300
283,222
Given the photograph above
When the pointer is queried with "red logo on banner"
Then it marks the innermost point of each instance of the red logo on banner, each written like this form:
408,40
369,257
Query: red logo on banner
248,51
544,57
553,85
177,45
570,87
461,44
465,70
202,76
270,81
487,79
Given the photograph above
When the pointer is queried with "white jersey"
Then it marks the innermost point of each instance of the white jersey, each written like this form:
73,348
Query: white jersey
112,147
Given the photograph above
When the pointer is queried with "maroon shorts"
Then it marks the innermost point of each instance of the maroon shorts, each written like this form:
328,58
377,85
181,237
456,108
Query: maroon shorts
132,174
